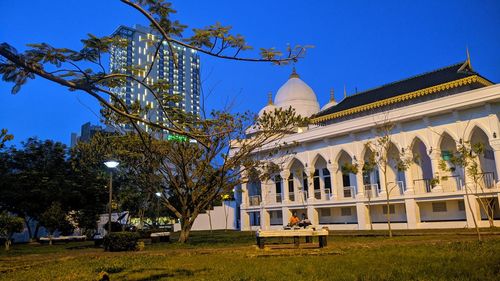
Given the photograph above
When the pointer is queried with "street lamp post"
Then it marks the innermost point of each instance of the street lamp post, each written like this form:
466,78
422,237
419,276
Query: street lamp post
158,195
111,165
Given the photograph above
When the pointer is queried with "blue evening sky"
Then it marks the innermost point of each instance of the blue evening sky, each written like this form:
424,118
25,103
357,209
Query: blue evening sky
360,44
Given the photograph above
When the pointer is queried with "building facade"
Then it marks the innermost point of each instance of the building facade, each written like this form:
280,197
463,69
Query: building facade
182,75
432,113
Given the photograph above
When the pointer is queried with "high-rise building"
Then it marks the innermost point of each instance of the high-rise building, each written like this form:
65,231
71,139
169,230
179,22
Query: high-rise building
183,76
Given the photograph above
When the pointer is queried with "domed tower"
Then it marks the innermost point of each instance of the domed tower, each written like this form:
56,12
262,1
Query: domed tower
298,95
331,102
270,107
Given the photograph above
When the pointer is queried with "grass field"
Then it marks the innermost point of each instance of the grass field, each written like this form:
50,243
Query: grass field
434,255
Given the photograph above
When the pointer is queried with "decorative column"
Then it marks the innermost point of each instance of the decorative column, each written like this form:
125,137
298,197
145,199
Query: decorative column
495,145
412,213
244,195
284,176
408,175
245,220
312,214
472,213
285,212
332,168
435,156
362,214
359,185
265,219
310,183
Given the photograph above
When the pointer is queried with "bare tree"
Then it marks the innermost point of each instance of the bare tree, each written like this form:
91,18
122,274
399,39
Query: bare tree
386,158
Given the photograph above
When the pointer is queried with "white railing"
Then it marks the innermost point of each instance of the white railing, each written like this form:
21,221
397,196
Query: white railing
372,190
399,186
298,196
254,200
349,192
451,183
322,194
278,198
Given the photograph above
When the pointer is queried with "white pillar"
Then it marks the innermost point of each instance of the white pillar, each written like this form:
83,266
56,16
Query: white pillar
436,172
408,174
265,219
310,183
332,168
362,214
472,210
244,195
284,176
285,212
412,213
359,185
245,220
496,154
312,214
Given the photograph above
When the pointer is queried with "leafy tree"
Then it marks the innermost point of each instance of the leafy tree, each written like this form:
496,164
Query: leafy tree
385,158
38,174
54,218
8,226
4,137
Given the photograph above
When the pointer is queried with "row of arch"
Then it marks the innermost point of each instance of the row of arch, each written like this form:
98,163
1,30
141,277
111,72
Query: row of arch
327,175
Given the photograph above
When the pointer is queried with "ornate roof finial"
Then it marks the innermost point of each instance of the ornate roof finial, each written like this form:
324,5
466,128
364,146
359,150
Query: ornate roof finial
345,92
332,96
270,98
466,66
468,57
294,73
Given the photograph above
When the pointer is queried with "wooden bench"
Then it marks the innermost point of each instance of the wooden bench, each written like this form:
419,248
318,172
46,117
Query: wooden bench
160,237
64,239
322,235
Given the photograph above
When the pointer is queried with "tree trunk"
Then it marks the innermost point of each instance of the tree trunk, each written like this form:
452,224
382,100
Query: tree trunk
26,221
186,225
35,235
388,215
472,212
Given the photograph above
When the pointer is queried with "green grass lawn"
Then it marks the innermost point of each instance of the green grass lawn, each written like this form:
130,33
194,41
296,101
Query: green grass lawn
434,255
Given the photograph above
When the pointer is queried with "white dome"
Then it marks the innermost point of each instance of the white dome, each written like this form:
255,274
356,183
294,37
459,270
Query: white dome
268,108
328,105
331,102
298,95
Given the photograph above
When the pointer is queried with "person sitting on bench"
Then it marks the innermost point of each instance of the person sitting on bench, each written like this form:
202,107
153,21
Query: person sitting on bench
305,222
294,220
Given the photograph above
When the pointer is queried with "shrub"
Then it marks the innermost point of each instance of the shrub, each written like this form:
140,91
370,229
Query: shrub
121,241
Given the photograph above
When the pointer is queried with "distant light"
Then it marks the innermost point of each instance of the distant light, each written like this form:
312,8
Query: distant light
193,141
111,164
158,194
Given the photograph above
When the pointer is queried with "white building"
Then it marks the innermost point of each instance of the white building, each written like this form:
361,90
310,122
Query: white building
432,113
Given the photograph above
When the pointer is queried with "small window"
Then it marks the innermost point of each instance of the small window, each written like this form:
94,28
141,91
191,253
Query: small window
392,209
345,212
325,212
280,214
439,207
461,205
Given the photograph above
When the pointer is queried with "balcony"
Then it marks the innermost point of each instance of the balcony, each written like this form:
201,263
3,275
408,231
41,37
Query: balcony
349,192
322,194
372,190
254,200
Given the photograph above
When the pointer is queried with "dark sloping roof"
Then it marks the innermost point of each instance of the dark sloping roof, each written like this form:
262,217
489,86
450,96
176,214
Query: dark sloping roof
426,80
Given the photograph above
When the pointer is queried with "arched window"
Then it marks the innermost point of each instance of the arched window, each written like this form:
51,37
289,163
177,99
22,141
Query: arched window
316,180
304,181
327,180
277,184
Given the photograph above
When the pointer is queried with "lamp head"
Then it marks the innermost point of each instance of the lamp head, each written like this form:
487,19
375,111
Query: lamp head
158,194
111,164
